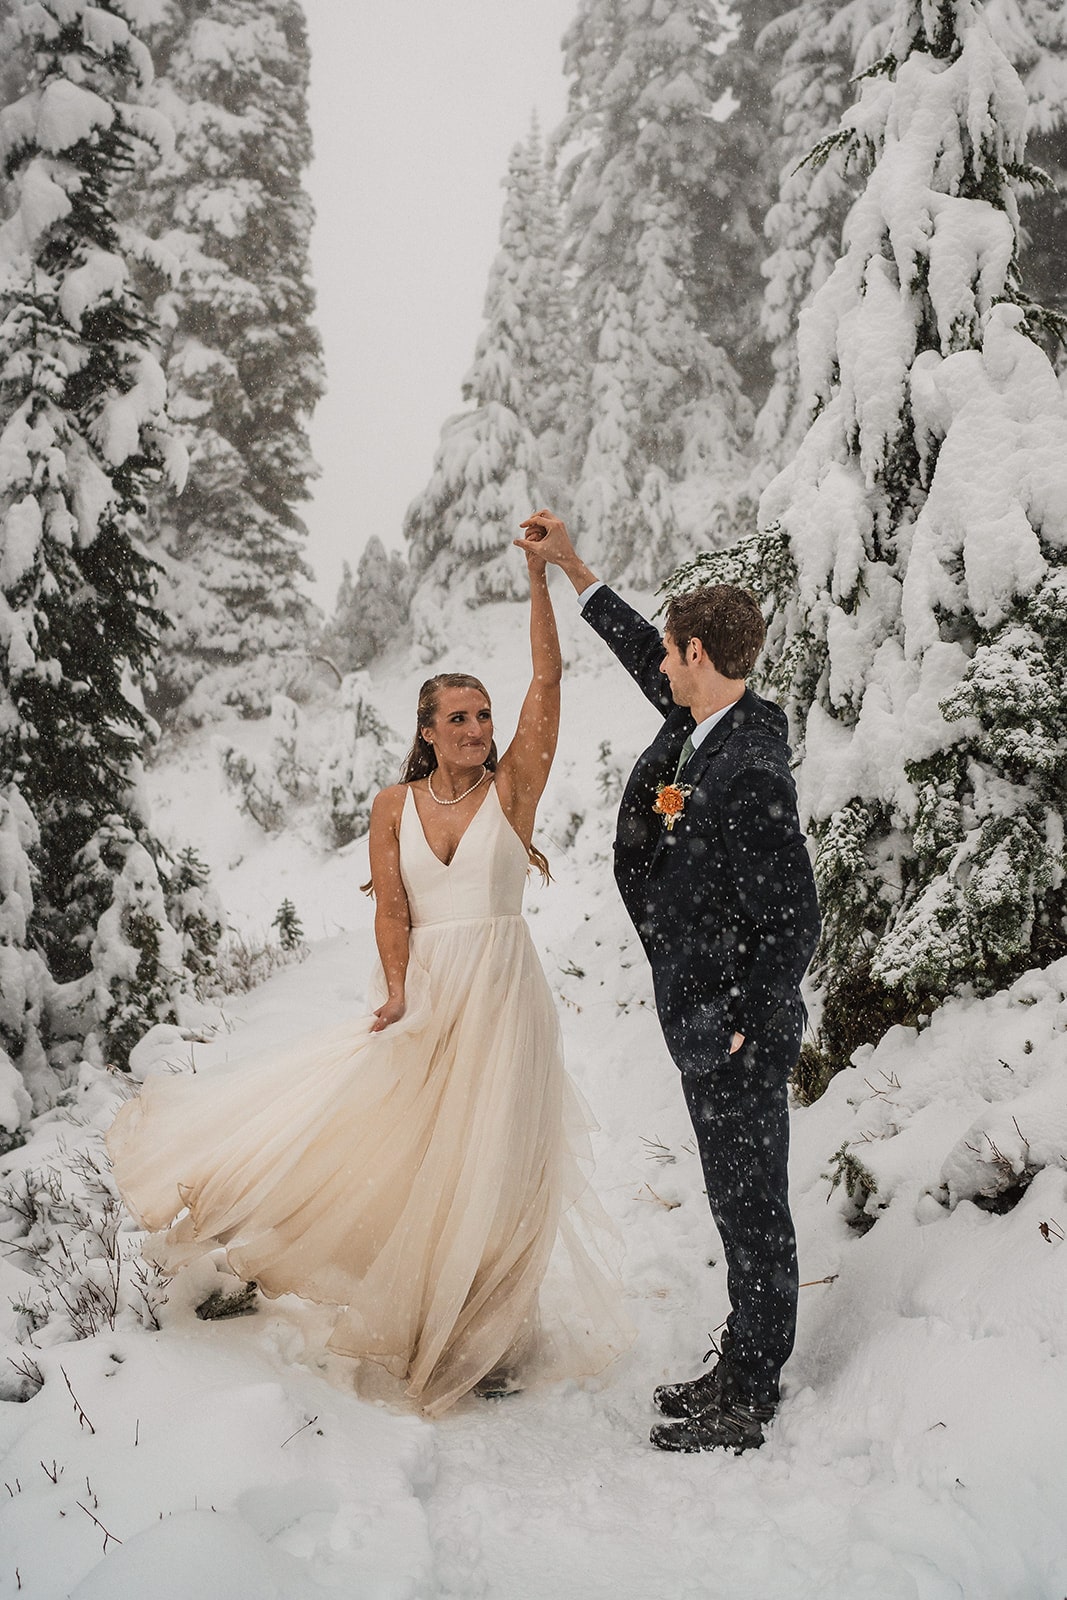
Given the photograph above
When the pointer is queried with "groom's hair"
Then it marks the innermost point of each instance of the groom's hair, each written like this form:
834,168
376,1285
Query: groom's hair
727,621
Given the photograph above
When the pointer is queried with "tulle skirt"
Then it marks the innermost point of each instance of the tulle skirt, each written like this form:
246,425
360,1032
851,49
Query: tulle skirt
425,1180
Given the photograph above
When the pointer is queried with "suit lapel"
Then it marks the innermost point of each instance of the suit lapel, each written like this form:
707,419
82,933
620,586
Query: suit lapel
710,746
737,715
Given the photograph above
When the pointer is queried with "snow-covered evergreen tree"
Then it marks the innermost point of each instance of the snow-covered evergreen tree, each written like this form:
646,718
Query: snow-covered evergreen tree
823,45
372,609
242,356
290,929
612,469
549,369
916,552
487,472
136,954
24,980
84,438
195,913
745,183
649,232
819,46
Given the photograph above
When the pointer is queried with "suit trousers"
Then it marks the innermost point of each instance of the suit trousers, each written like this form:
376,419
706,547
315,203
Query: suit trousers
738,1105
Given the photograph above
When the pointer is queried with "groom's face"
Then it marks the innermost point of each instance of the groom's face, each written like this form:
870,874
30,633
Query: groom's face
678,671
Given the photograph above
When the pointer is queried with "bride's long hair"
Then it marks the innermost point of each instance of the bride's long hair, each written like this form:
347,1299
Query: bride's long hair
421,759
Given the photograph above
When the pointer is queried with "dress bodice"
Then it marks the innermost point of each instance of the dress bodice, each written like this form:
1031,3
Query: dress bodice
485,878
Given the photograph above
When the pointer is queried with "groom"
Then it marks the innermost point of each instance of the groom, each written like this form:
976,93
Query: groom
711,865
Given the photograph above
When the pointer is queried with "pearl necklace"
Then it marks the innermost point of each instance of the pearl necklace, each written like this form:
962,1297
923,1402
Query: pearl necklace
459,797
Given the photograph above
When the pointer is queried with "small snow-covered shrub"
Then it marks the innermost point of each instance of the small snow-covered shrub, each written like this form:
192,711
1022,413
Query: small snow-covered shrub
196,914
290,928
270,789
245,962
610,775
848,1172
63,1225
137,958
364,756
290,772
259,794
241,1302
970,1108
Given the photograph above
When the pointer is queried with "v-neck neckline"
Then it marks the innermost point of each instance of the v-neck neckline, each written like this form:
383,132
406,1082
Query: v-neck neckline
447,865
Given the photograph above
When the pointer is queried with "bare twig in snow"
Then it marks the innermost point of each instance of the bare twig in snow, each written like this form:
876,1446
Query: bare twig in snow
107,1535
303,1425
83,1420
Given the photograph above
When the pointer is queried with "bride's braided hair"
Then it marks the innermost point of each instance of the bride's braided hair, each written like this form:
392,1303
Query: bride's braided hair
422,757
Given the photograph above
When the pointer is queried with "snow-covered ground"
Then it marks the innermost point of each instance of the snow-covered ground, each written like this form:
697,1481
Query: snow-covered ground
921,1449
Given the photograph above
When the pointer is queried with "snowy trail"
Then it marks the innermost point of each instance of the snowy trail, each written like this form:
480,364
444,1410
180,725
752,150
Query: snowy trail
565,1496
921,1449
920,1454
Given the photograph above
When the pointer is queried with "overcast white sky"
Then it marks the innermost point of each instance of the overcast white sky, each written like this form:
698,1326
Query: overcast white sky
414,109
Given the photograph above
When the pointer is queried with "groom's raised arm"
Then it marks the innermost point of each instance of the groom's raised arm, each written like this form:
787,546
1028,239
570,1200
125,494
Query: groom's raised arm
636,642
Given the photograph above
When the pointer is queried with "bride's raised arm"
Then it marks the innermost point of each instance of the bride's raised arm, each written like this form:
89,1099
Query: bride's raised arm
523,769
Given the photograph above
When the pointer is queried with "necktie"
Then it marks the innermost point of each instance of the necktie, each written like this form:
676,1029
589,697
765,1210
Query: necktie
687,750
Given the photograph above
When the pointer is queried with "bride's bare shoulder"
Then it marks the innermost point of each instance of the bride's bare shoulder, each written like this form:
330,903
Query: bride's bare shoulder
389,803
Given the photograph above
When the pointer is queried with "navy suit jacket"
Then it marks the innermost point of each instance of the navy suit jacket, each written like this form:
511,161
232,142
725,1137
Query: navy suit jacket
725,901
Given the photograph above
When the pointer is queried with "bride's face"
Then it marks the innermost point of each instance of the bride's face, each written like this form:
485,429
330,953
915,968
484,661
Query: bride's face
462,729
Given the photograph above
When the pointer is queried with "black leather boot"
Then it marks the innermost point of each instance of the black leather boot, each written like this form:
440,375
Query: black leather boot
693,1395
729,1425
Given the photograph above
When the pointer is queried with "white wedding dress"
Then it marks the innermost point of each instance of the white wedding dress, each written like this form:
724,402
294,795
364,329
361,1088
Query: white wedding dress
420,1178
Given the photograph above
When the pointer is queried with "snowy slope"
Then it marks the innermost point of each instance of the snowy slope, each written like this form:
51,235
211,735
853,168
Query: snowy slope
920,1453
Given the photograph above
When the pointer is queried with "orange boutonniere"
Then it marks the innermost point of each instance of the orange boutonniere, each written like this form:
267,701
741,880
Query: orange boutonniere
670,801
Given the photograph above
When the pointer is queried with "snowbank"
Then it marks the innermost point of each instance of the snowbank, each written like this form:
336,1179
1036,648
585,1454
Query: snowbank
921,1450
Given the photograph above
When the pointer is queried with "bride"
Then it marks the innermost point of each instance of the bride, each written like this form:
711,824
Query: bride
411,1167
